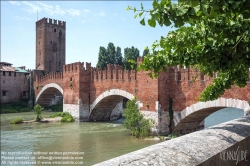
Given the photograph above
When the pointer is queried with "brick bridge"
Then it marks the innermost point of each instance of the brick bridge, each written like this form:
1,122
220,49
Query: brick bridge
91,94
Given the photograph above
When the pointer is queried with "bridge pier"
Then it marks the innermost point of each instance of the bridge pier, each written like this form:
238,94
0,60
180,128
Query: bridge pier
79,111
247,111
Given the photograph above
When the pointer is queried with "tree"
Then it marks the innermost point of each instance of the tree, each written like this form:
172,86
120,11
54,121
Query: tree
212,36
102,58
135,122
38,111
118,57
111,55
145,52
130,55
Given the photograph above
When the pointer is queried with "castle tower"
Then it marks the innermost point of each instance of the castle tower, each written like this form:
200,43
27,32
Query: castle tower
50,45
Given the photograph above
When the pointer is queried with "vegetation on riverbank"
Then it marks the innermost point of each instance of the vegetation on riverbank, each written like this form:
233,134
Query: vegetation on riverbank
138,126
38,111
66,117
16,121
14,107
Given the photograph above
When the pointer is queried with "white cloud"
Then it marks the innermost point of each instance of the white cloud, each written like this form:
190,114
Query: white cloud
59,11
74,12
21,18
102,14
53,10
83,21
14,3
85,11
32,8
47,8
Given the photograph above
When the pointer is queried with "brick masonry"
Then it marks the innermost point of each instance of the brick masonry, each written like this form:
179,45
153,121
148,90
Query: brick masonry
14,86
94,92
50,45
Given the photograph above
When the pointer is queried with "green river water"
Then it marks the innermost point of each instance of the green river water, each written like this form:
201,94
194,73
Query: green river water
30,144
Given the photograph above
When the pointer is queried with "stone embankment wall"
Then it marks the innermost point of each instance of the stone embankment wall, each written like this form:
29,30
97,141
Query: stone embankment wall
205,147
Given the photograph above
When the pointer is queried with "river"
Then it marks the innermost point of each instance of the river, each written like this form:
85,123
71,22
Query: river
96,141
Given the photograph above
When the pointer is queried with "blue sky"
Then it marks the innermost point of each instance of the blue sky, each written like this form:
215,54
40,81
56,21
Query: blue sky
89,25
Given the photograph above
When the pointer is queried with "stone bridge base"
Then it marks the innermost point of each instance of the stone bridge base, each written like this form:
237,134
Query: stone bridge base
82,112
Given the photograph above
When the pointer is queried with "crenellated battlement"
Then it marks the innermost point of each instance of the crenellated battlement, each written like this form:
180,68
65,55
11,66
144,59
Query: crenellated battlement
49,77
178,73
113,72
50,22
77,67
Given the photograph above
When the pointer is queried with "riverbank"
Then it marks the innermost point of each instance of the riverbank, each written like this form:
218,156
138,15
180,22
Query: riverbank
17,107
14,107
56,117
44,120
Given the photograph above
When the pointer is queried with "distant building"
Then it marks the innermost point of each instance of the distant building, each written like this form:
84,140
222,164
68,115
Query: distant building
50,45
14,84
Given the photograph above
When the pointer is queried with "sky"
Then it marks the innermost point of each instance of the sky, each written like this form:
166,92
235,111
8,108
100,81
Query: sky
89,25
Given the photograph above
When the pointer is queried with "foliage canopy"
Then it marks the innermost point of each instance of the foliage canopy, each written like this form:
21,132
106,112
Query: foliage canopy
111,55
211,35
130,54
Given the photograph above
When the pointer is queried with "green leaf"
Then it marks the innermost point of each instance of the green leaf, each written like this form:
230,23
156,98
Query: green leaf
140,14
181,10
141,6
136,15
196,9
167,22
151,22
142,22
155,3
134,9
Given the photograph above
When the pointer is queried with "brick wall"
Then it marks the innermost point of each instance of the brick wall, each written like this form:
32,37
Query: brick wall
14,87
50,45
183,85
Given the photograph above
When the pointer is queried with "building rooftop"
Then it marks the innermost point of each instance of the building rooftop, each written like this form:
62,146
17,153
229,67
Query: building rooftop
5,66
18,69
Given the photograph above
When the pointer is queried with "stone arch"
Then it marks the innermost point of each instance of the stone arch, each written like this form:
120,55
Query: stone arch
51,85
107,94
193,115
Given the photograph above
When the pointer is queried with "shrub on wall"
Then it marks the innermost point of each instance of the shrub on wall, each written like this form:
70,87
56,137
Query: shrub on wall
135,122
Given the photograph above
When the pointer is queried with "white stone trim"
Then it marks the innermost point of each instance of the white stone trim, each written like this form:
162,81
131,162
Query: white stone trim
53,85
110,93
221,102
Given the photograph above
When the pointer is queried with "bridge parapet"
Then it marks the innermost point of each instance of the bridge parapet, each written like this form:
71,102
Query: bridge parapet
49,78
77,67
114,73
